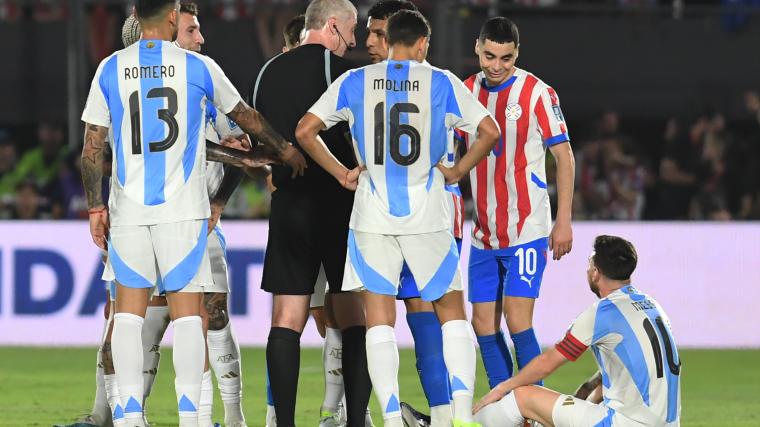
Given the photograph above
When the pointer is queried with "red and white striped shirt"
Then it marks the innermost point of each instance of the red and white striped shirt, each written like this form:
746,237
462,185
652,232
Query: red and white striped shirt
509,186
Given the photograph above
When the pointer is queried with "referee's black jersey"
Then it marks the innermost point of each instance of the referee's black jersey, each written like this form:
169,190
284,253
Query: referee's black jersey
286,87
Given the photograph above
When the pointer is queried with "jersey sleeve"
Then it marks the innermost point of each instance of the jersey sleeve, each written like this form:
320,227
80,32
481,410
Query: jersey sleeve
463,111
578,338
333,106
218,87
96,109
551,121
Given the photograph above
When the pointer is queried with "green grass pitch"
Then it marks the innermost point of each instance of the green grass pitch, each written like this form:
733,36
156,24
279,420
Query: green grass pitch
44,386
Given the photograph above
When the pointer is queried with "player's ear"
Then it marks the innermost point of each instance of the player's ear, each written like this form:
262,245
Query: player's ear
477,47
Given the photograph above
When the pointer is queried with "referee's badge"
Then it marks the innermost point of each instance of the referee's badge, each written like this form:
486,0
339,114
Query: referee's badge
514,112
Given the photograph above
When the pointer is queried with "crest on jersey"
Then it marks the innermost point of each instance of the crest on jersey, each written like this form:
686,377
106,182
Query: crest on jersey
514,112
558,113
150,45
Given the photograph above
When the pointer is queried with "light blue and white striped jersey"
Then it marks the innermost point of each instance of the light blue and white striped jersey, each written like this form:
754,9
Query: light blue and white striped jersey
154,97
218,127
400,114
630,335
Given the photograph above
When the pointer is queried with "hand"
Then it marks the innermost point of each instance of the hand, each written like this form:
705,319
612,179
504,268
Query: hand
452,175
561,239
99,226
494,395
351,181
293,158
242,142
216,213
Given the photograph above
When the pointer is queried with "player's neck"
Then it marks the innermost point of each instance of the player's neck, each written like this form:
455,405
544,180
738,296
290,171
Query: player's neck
402,53
316,37
151,33
610,287
494,83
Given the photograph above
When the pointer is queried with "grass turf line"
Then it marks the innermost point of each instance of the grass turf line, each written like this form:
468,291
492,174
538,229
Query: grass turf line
44,386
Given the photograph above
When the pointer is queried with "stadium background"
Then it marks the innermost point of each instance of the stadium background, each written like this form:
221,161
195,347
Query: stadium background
661,98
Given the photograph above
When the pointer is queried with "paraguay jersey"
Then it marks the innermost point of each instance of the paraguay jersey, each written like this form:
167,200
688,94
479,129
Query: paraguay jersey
154,95
509,186
400,113
630,335
455,199
218,127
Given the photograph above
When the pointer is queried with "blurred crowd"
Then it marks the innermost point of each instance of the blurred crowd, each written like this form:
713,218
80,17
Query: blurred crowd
705,168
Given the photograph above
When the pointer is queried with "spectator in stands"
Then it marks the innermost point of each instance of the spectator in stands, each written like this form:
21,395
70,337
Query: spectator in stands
625,181
679,167
41,164
7,165
749,204
28,202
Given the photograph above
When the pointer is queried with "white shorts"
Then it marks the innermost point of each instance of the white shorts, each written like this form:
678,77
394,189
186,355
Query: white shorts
217,253
570,411
320,290
171,256
374,263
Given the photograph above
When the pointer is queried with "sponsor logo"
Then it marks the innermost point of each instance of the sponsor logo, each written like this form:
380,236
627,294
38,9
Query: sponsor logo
528,281
558,113
230,375
227,358
569,401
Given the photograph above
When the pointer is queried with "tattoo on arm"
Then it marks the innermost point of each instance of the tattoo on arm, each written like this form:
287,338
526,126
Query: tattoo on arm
220,153
232,178
92,163
254,123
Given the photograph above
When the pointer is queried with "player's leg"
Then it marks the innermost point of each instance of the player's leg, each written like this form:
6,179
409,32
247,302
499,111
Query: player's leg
524,273
131,255
433,259
206,399
373,265
346,308
428,350
154,327
223,348
591,390
183,262
271,417
485,275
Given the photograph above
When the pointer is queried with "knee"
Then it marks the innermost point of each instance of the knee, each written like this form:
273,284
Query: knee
347,310
216,307
289,316
484,323
417,305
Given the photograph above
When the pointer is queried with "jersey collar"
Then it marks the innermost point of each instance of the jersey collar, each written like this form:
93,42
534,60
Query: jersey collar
500,87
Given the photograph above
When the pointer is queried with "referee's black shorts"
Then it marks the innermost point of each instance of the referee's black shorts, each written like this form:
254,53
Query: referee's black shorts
306,230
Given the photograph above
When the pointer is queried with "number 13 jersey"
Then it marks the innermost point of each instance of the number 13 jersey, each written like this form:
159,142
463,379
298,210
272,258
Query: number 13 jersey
153,96
400,113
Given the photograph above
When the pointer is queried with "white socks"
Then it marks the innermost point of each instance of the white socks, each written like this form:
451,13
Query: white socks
460,358
382,362
189,356
206,401
100,409
156,322
271,417
502,413
126,344
440,416
112,394
224,358
332,362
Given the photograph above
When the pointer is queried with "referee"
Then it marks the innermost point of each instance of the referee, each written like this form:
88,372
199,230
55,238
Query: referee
308,223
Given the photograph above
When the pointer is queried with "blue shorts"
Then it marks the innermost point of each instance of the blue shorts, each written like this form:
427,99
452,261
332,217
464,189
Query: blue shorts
408,287
514,272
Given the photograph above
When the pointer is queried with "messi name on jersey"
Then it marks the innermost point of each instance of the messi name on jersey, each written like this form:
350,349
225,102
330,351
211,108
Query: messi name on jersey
396,85
149,72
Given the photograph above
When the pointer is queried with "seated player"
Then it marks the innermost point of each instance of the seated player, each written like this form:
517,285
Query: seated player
629,333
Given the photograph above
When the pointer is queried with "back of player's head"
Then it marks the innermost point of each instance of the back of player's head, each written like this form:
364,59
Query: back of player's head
614,257
292,31
406,27
188,7
383,9
499,30
130,31
319,11
148,10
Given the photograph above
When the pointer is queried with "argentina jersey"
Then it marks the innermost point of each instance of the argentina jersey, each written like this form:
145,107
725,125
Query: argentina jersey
400,114
630,336
218,127
154,97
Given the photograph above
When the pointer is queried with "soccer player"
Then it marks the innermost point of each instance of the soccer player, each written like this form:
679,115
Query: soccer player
157,220
512,224
420,316
399,112
630,335
309,218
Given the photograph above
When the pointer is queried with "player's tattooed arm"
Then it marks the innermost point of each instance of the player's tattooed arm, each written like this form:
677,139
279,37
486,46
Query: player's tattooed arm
256,157
255,124
92,164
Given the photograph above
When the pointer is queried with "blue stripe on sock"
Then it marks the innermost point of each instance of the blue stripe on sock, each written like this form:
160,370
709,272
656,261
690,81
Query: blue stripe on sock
457,385
526,348
185,405
428,348
496,358
132,406
393,405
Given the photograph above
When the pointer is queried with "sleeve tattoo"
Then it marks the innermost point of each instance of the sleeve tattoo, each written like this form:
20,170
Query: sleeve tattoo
92,163
254,123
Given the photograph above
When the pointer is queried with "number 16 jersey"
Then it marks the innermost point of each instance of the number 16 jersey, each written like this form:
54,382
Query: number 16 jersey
153,96
400,113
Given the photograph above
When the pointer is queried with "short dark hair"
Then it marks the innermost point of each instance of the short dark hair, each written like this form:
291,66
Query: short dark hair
149,9
500,30
188,7
385,8
406,27
614,257
292,30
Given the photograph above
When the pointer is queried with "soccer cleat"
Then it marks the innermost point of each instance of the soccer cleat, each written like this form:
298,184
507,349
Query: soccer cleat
328,419
235,424
85,421
458,423
412,417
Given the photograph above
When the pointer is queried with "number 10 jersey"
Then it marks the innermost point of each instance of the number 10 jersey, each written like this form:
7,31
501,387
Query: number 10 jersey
153,96
400,113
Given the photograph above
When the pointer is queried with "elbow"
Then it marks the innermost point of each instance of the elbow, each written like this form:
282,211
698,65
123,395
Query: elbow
302,134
